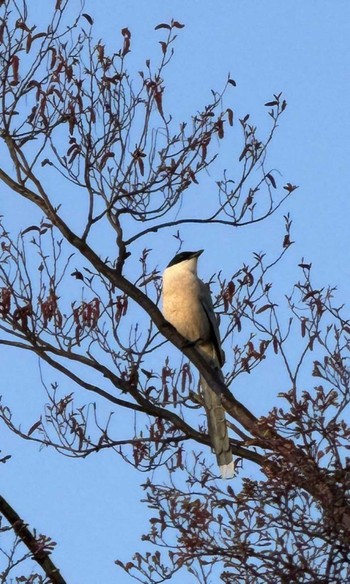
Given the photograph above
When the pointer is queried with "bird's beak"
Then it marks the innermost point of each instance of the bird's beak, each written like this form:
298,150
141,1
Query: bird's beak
196,254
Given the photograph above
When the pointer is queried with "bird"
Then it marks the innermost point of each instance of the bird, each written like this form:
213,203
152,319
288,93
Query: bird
187,305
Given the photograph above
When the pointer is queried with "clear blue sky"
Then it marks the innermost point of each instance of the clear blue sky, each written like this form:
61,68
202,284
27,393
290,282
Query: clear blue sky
90,507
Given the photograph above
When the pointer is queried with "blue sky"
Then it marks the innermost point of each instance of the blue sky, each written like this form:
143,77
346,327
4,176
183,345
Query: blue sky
91,507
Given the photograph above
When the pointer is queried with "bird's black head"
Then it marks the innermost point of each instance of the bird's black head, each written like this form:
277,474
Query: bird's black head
183,256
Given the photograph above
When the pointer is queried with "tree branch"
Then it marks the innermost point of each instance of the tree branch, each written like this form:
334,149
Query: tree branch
34,545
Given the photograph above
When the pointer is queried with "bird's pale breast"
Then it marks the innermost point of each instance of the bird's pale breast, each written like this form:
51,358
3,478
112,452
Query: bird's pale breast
181,305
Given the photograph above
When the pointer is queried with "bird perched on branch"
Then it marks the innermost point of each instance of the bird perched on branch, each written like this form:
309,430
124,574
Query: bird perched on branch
188,306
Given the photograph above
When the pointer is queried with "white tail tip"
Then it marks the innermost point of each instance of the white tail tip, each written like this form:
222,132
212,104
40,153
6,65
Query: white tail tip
227,471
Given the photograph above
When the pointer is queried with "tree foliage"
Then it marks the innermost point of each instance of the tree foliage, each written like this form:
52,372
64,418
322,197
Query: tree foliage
94,150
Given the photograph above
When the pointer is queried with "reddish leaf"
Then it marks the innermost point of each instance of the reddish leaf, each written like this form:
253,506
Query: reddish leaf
95,310
29,43
53,57
271,179
141,166
126,32
46,161
227,295
262,347
34,427
77,334
15,68
179,458
186,373
88,18
220,128
40,35
31,228
5,303
250,347
127,36
101,52
21,314
162,25
177,24
78,275
286,241
158,99
244,152
122,307
265,307
105,158
74,155
165,393
316,371
22,25
192,176
311,294
289,187
230,491
58,319
245,365
148,374
2,28
230,116
164,46
5,458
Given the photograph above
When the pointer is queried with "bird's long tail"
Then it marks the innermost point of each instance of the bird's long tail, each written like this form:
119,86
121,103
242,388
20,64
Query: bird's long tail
217,429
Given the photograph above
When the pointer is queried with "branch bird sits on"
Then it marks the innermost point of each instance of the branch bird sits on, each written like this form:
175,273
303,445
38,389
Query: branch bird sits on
188,306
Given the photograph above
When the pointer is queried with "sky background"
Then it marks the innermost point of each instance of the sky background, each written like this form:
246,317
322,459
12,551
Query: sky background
91,507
